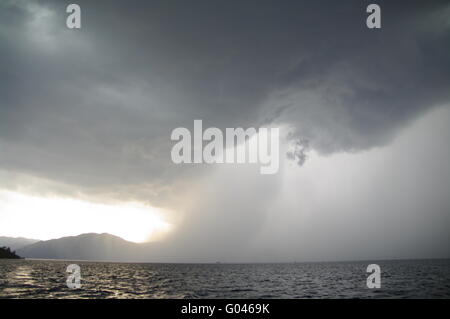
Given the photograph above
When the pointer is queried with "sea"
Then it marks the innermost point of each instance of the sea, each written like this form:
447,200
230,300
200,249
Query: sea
398,279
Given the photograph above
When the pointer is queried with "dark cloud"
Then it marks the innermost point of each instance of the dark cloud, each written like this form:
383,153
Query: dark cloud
95,107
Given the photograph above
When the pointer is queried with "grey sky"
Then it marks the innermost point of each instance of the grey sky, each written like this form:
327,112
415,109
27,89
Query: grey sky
90,112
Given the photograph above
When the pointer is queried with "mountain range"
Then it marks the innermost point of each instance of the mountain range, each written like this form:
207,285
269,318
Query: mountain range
16,242
91,246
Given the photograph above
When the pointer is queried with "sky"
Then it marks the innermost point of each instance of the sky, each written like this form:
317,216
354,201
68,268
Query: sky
86,117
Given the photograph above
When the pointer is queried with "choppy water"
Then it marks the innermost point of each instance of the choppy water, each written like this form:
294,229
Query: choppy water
399,279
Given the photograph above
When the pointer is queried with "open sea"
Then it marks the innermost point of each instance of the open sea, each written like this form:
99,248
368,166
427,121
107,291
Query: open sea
399,279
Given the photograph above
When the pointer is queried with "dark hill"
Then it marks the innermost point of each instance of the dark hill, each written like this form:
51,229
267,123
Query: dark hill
92,246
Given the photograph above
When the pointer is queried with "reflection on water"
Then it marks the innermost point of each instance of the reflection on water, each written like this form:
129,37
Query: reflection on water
22,276
400,279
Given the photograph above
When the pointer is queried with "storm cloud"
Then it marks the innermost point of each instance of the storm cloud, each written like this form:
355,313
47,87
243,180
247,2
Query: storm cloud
90,111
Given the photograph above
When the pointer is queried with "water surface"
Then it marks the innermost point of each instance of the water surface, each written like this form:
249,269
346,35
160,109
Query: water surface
399,279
